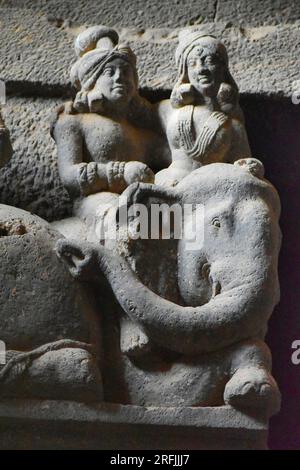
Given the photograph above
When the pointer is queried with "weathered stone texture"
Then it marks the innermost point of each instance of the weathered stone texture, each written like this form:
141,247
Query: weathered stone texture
137,13
34,51
173,13
66,425
31,299
38,50
39,45
248,47
31,180
263,44
257,12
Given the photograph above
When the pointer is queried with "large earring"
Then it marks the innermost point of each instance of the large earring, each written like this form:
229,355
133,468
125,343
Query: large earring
226,97
96,106
183,94
81,102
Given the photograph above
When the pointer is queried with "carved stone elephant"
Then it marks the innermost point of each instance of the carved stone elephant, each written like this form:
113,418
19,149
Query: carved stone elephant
192,322
49,323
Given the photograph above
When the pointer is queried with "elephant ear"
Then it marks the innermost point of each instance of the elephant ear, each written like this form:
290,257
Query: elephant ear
153,260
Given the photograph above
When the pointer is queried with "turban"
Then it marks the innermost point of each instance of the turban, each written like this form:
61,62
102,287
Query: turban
95,47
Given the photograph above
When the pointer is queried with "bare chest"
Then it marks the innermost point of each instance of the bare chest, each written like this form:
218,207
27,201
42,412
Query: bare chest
106,140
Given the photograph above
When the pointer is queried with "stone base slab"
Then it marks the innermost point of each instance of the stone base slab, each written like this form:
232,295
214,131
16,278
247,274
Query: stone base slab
36,424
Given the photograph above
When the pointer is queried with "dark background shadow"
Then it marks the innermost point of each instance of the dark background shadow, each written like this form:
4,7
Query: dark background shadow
274,133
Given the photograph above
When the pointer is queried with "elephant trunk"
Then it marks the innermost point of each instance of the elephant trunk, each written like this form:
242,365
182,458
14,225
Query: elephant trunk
235,314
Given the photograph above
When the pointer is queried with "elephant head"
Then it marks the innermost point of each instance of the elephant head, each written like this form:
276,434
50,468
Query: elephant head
227,285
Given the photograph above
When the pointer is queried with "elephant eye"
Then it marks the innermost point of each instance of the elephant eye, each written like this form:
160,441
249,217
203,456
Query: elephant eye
216,223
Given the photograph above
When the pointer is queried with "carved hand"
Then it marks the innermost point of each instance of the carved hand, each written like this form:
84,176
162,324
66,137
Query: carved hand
91,179
138,172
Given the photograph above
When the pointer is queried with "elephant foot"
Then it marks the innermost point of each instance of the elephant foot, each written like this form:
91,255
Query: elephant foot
253,388
71,374
68,373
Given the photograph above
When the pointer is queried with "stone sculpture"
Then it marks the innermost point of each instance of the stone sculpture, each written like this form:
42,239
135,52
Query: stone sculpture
48,323
194,315
207,348
146,322
202,120
106,137
48,355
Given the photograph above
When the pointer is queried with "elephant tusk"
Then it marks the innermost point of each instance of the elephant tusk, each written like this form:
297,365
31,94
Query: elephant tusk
216,288
215,285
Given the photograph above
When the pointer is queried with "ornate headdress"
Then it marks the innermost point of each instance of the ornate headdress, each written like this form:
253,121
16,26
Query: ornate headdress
95,47
188,39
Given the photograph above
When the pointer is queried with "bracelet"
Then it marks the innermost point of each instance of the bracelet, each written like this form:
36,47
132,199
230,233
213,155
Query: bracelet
115,175
83,181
